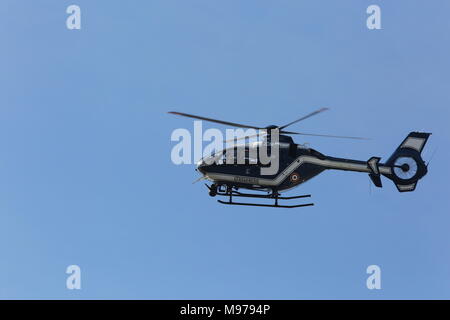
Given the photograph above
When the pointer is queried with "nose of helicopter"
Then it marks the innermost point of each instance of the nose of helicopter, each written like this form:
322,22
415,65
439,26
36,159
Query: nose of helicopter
202,167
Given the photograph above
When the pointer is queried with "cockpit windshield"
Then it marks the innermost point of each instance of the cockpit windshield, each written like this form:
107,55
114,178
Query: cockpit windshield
215,157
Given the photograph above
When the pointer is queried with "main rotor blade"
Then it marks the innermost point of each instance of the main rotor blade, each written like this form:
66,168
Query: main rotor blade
199,179
304,117
214,120
325,135
246,137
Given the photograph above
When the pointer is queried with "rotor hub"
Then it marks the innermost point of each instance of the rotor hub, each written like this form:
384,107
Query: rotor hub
404,167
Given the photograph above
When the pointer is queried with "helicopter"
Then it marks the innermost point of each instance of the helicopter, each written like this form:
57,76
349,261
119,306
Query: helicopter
297,164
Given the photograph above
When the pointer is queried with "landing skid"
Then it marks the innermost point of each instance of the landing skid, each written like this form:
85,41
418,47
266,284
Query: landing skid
265,205
275,195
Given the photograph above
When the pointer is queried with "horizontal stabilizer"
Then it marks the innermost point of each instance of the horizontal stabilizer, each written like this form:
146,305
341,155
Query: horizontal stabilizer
376,180
372,164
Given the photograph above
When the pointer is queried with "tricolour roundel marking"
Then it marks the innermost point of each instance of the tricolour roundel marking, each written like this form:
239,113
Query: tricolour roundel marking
294,177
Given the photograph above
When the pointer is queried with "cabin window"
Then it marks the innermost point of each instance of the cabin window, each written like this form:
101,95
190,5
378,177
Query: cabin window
251,156
230,156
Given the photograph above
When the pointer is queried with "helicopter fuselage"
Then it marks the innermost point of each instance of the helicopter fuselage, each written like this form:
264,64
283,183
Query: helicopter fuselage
296,165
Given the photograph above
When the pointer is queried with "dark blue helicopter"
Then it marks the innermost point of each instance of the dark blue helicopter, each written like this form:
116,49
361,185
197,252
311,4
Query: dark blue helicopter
299,163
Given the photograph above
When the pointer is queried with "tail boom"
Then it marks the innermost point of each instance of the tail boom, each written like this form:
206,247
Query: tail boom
405,167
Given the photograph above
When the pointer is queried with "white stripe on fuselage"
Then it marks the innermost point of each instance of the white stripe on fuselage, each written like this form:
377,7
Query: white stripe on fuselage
327,163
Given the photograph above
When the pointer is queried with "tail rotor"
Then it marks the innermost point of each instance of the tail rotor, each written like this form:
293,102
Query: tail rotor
407,165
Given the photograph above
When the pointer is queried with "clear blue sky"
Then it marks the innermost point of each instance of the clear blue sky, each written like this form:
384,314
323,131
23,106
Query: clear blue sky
85,170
